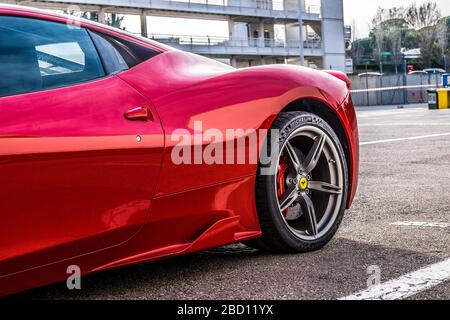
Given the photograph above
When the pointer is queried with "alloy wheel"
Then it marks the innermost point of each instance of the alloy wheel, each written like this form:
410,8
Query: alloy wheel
309,183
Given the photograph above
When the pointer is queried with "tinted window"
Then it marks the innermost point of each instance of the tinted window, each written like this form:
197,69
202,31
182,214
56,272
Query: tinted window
113,61
37,55
130,52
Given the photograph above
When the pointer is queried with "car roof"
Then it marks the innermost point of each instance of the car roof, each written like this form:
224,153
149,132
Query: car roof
434,70
370,74
23,11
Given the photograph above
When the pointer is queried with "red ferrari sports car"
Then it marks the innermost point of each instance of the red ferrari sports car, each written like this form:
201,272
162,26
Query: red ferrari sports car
116,150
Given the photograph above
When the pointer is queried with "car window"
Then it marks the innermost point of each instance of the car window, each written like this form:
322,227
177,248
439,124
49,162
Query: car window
38,55
113,61
119,54
60,58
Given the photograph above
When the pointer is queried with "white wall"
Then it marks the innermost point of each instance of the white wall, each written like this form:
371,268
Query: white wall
333,34
240,30
292,32
291,5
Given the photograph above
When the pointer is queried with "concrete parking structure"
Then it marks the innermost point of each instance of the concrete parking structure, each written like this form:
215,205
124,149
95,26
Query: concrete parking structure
313,34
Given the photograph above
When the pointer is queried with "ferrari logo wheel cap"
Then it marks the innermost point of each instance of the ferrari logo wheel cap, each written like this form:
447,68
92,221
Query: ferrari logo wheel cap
303,184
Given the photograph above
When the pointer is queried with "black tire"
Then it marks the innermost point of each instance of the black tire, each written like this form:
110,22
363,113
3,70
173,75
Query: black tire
276,234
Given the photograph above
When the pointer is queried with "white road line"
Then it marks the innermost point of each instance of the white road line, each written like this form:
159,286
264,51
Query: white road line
395,112
407,285
405,139
442,225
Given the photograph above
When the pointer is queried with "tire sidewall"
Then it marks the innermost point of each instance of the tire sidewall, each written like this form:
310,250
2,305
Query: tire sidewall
290,238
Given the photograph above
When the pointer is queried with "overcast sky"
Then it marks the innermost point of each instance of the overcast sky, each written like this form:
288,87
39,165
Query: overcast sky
362,11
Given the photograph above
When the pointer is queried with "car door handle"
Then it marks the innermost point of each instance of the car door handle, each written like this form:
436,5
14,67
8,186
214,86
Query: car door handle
142,113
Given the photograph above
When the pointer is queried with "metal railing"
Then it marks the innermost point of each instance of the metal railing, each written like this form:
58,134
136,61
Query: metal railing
270,5
191,40
313,9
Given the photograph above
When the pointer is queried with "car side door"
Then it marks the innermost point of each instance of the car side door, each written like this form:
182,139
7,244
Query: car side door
80,149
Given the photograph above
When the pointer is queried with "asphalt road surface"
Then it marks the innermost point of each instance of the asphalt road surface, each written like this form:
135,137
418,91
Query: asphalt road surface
399,224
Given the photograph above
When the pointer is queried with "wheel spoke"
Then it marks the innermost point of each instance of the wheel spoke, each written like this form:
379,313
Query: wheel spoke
292,157
314,154
288,198
324,187
308,210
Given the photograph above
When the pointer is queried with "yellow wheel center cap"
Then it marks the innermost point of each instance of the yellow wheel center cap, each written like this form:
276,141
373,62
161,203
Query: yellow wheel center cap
303,184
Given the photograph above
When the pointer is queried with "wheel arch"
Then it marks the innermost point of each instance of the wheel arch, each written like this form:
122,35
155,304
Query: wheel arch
328,114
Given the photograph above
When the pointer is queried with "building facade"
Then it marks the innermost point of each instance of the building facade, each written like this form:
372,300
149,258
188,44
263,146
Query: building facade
259,31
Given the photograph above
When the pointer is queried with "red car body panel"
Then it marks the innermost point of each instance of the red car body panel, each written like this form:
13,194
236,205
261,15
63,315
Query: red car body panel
78,188
66,157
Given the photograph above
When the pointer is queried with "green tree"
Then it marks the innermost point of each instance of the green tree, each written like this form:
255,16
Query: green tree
443,40
415,26
388,31
425,18
362,50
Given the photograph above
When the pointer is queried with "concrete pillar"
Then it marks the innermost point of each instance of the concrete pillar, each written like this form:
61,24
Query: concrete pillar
271,28
102,16
230,27
233,61
144,32
333,41
286,43
301,6
261,33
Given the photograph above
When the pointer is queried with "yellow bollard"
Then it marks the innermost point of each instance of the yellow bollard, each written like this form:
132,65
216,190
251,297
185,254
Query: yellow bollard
443,98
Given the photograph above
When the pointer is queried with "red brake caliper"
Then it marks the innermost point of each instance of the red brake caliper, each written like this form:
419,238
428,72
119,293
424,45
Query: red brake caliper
281,180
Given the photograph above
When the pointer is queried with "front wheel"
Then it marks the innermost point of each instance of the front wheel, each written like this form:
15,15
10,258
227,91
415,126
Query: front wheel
302,201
